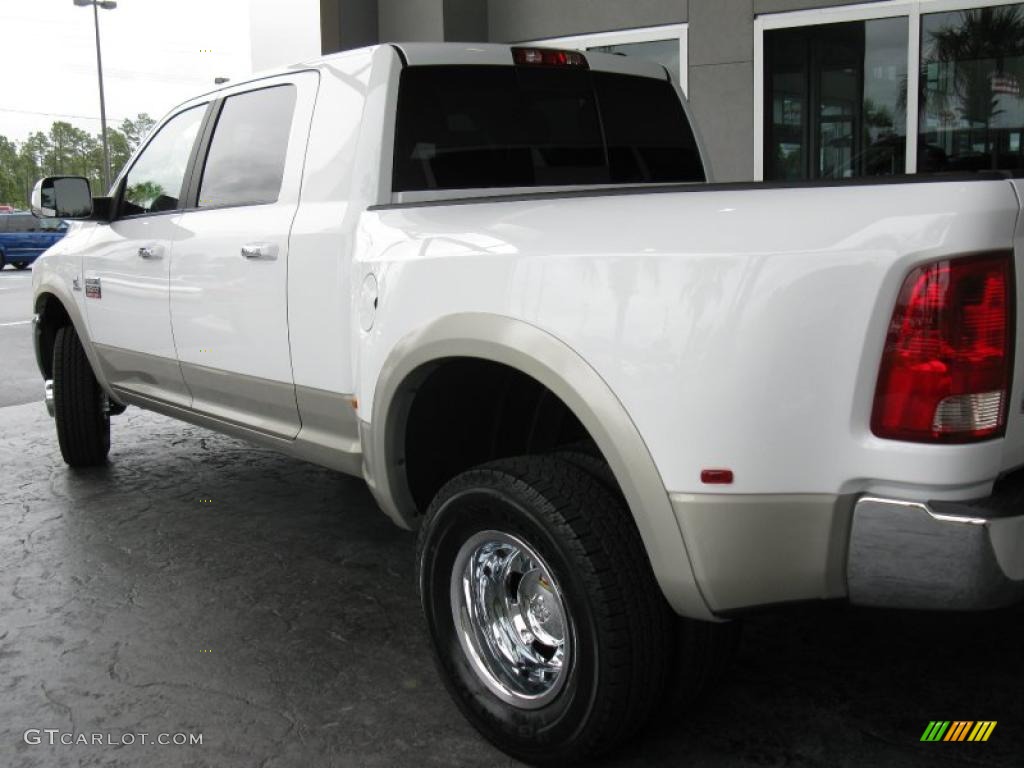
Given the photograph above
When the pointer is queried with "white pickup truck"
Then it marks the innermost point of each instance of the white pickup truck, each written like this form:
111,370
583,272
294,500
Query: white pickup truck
495,282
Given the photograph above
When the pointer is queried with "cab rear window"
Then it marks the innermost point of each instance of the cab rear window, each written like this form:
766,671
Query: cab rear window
463,127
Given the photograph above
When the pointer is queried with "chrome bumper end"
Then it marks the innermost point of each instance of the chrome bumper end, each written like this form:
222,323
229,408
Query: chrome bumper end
48,396
936,555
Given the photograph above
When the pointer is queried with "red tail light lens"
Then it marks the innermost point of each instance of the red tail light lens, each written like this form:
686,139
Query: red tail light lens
548,57
946,369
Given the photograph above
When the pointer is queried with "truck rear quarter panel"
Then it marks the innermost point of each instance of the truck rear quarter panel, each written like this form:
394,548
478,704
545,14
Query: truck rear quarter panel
739,329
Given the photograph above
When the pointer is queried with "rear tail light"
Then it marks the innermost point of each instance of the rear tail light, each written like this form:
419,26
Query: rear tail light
548,57
945,373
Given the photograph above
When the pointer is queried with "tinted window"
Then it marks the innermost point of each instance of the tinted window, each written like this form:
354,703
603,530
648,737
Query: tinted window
972,90
464,127
155,180
835,100
22,222
245,164
646,130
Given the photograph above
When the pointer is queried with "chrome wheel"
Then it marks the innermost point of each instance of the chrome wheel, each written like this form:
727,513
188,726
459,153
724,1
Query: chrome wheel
511,619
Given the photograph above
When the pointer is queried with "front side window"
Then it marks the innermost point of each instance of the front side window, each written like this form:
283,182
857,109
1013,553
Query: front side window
463,127
835,100
245,165
972,76
154,183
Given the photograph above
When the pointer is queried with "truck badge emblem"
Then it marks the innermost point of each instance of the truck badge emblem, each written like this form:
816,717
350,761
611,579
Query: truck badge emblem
93,290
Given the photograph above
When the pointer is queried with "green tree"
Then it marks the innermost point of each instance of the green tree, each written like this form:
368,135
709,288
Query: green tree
144,193
32,154
135,131
65,149
10,187
983,44
70,150
120,151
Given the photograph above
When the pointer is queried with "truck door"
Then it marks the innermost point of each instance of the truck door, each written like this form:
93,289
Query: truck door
229,271
126,267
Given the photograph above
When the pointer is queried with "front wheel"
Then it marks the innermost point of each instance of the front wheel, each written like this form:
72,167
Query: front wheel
547,624
20,265
80,404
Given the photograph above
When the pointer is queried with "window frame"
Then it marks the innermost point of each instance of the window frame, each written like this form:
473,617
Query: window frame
626,37
912,10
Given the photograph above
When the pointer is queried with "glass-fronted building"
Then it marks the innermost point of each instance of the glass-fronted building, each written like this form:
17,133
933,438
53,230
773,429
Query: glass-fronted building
780,89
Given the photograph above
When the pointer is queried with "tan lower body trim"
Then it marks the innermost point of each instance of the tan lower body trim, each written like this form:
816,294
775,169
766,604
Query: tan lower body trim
329,435
757,550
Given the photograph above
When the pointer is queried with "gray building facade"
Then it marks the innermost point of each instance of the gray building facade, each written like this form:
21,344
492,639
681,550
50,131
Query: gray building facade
780,89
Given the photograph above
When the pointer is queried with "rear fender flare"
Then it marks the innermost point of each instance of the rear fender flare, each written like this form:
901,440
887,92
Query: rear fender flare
552,363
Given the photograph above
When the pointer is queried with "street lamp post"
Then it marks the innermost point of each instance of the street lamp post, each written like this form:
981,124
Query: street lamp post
96,5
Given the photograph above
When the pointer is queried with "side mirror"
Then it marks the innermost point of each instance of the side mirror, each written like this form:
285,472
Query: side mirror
62,197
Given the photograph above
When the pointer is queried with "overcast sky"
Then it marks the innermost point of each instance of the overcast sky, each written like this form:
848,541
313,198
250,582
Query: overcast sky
156,53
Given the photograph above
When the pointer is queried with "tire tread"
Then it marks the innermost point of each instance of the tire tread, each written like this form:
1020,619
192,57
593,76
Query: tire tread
633,617
83,429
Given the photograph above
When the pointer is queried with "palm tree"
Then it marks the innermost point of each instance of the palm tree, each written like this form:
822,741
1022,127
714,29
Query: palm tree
983,50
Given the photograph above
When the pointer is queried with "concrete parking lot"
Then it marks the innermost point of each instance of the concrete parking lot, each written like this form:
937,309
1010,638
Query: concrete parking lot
199,585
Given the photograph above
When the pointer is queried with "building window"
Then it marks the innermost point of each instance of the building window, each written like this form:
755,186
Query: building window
835,100
959,106
971,106
663,45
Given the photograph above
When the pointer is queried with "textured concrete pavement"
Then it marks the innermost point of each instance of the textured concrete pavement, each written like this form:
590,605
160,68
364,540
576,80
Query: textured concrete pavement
200,585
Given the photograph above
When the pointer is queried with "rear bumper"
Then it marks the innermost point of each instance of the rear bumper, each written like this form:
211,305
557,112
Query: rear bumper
939,555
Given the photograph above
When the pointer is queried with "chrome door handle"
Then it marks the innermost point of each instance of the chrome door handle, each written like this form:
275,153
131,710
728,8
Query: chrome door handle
266,251
151,252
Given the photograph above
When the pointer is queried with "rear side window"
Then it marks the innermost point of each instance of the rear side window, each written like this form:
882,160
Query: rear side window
461,127
245,164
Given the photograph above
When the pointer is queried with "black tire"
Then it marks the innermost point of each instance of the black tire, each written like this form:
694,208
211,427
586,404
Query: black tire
83,423
2,262
593,465
703,650
20,265
622,623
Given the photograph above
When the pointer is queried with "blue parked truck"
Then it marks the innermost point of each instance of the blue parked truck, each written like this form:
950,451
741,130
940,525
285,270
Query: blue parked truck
23,238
